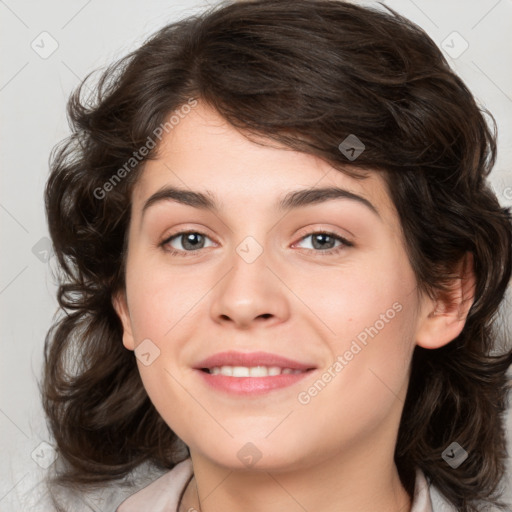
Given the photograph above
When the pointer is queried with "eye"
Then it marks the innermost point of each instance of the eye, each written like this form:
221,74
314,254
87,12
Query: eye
190,241
324,242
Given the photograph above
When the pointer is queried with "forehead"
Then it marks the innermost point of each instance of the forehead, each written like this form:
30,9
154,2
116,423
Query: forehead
203,152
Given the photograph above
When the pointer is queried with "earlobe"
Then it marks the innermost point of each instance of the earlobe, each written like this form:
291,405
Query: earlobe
444,317
120,304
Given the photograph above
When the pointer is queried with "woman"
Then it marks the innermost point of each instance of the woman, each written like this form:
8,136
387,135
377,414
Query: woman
280,251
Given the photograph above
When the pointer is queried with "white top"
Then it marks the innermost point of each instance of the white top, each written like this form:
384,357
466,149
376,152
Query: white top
163,494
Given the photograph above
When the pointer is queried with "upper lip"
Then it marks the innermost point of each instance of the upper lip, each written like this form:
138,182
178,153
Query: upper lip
251,359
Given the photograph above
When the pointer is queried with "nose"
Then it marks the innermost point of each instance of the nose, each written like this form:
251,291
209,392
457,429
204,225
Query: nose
250,294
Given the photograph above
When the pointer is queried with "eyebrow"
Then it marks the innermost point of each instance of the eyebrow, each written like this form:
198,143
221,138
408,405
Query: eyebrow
292,200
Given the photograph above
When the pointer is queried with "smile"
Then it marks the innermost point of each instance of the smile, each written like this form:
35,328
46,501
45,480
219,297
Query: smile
252,371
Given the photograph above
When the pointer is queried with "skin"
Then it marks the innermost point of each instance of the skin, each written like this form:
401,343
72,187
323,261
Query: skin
334,453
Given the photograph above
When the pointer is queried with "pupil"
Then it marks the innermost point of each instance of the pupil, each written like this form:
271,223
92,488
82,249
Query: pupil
189,239
323,239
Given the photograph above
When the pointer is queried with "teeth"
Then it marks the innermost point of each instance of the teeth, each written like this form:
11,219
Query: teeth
258,371
253,371
237,371
226,370
274,370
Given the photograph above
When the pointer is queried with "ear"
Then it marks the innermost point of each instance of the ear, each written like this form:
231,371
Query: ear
444,318
121,306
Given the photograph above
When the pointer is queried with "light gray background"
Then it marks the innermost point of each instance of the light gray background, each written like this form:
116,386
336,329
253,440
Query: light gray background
33,94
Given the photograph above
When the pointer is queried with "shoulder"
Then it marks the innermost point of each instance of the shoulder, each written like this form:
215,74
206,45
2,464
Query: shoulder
161,495
427,498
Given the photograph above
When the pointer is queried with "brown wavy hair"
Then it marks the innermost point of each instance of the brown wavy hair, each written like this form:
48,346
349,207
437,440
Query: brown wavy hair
306,74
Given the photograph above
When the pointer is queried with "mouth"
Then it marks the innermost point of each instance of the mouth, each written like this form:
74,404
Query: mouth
253,373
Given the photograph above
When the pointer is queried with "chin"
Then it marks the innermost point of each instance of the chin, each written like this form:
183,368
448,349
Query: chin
243,455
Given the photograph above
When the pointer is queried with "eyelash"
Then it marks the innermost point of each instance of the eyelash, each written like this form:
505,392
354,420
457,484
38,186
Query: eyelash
174,252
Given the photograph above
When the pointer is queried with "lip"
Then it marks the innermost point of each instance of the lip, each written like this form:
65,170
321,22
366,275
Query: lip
251,385
251,359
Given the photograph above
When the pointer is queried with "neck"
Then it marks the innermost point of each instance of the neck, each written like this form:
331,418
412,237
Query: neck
356,481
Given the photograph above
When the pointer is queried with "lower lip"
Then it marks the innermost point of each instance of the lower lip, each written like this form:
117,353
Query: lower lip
252,385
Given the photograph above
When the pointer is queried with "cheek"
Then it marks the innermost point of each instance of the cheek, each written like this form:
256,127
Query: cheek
371,312
160,299
159,312
165,308
361,393
356,300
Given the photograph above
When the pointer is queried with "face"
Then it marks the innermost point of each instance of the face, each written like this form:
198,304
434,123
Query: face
319,287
